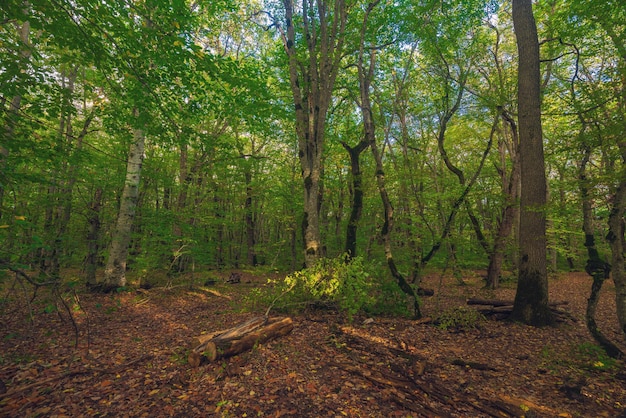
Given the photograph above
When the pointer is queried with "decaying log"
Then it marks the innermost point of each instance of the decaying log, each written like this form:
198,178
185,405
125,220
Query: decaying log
227,343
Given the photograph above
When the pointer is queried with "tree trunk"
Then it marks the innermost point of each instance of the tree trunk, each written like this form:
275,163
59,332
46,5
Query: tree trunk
250,222
93,235
312,82
115,270
12,114
365,77
357,195
615,237
510,186
531,299
598,269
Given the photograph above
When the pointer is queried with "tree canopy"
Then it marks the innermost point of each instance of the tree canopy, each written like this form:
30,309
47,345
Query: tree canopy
247,110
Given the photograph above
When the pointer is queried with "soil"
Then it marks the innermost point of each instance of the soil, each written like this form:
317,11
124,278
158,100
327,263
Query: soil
125,354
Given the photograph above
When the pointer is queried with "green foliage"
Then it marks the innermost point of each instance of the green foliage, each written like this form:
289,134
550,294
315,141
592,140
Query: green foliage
388,300
350,287
460,319
332,282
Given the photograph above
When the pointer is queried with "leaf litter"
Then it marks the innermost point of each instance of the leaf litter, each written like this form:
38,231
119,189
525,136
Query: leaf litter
132,348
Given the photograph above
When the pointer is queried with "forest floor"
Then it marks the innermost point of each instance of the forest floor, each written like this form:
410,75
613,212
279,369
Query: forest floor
127,356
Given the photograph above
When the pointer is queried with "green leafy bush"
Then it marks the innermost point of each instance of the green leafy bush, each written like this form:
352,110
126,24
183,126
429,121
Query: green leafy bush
332,282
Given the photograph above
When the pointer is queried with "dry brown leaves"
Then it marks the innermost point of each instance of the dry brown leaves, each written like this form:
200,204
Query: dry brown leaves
132,350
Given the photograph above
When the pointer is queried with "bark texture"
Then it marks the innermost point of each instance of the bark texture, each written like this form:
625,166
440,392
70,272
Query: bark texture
531,299
510,188
312,81
11,115
115,270
222,344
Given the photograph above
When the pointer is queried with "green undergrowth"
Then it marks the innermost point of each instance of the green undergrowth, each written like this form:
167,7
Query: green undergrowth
350,287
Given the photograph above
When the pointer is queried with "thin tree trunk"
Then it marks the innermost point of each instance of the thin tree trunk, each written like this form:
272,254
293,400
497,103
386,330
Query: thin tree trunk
12,114
615,237
250,221
597,268
357,195
531,299
365,78
93,235
115,270
510,186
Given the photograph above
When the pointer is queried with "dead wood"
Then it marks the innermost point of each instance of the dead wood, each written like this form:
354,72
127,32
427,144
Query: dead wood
498,302
406,383
227,343
501,309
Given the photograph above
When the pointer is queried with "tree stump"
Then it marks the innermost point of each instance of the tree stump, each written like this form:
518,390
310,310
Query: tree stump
236,340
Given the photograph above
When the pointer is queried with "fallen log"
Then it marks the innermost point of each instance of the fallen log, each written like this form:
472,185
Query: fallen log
502,309
227,343
498,302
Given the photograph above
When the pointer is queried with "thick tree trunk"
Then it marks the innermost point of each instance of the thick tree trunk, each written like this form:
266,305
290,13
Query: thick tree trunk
115,270
531,299
312,82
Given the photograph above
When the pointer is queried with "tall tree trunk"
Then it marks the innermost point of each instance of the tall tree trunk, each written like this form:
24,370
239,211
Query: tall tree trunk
115,270
598,269
312,82
10,118
615,237
93,236
60,194
510,187
250,221
366,76
531,299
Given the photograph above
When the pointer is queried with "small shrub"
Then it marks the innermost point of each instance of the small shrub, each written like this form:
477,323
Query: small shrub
460,319
332,282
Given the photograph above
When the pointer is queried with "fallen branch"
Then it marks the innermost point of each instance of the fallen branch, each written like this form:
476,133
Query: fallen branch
501,309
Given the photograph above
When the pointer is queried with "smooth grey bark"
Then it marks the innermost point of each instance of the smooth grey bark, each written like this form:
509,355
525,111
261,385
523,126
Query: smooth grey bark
531,298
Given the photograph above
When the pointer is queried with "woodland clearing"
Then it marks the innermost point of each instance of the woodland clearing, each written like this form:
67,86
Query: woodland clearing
127,356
